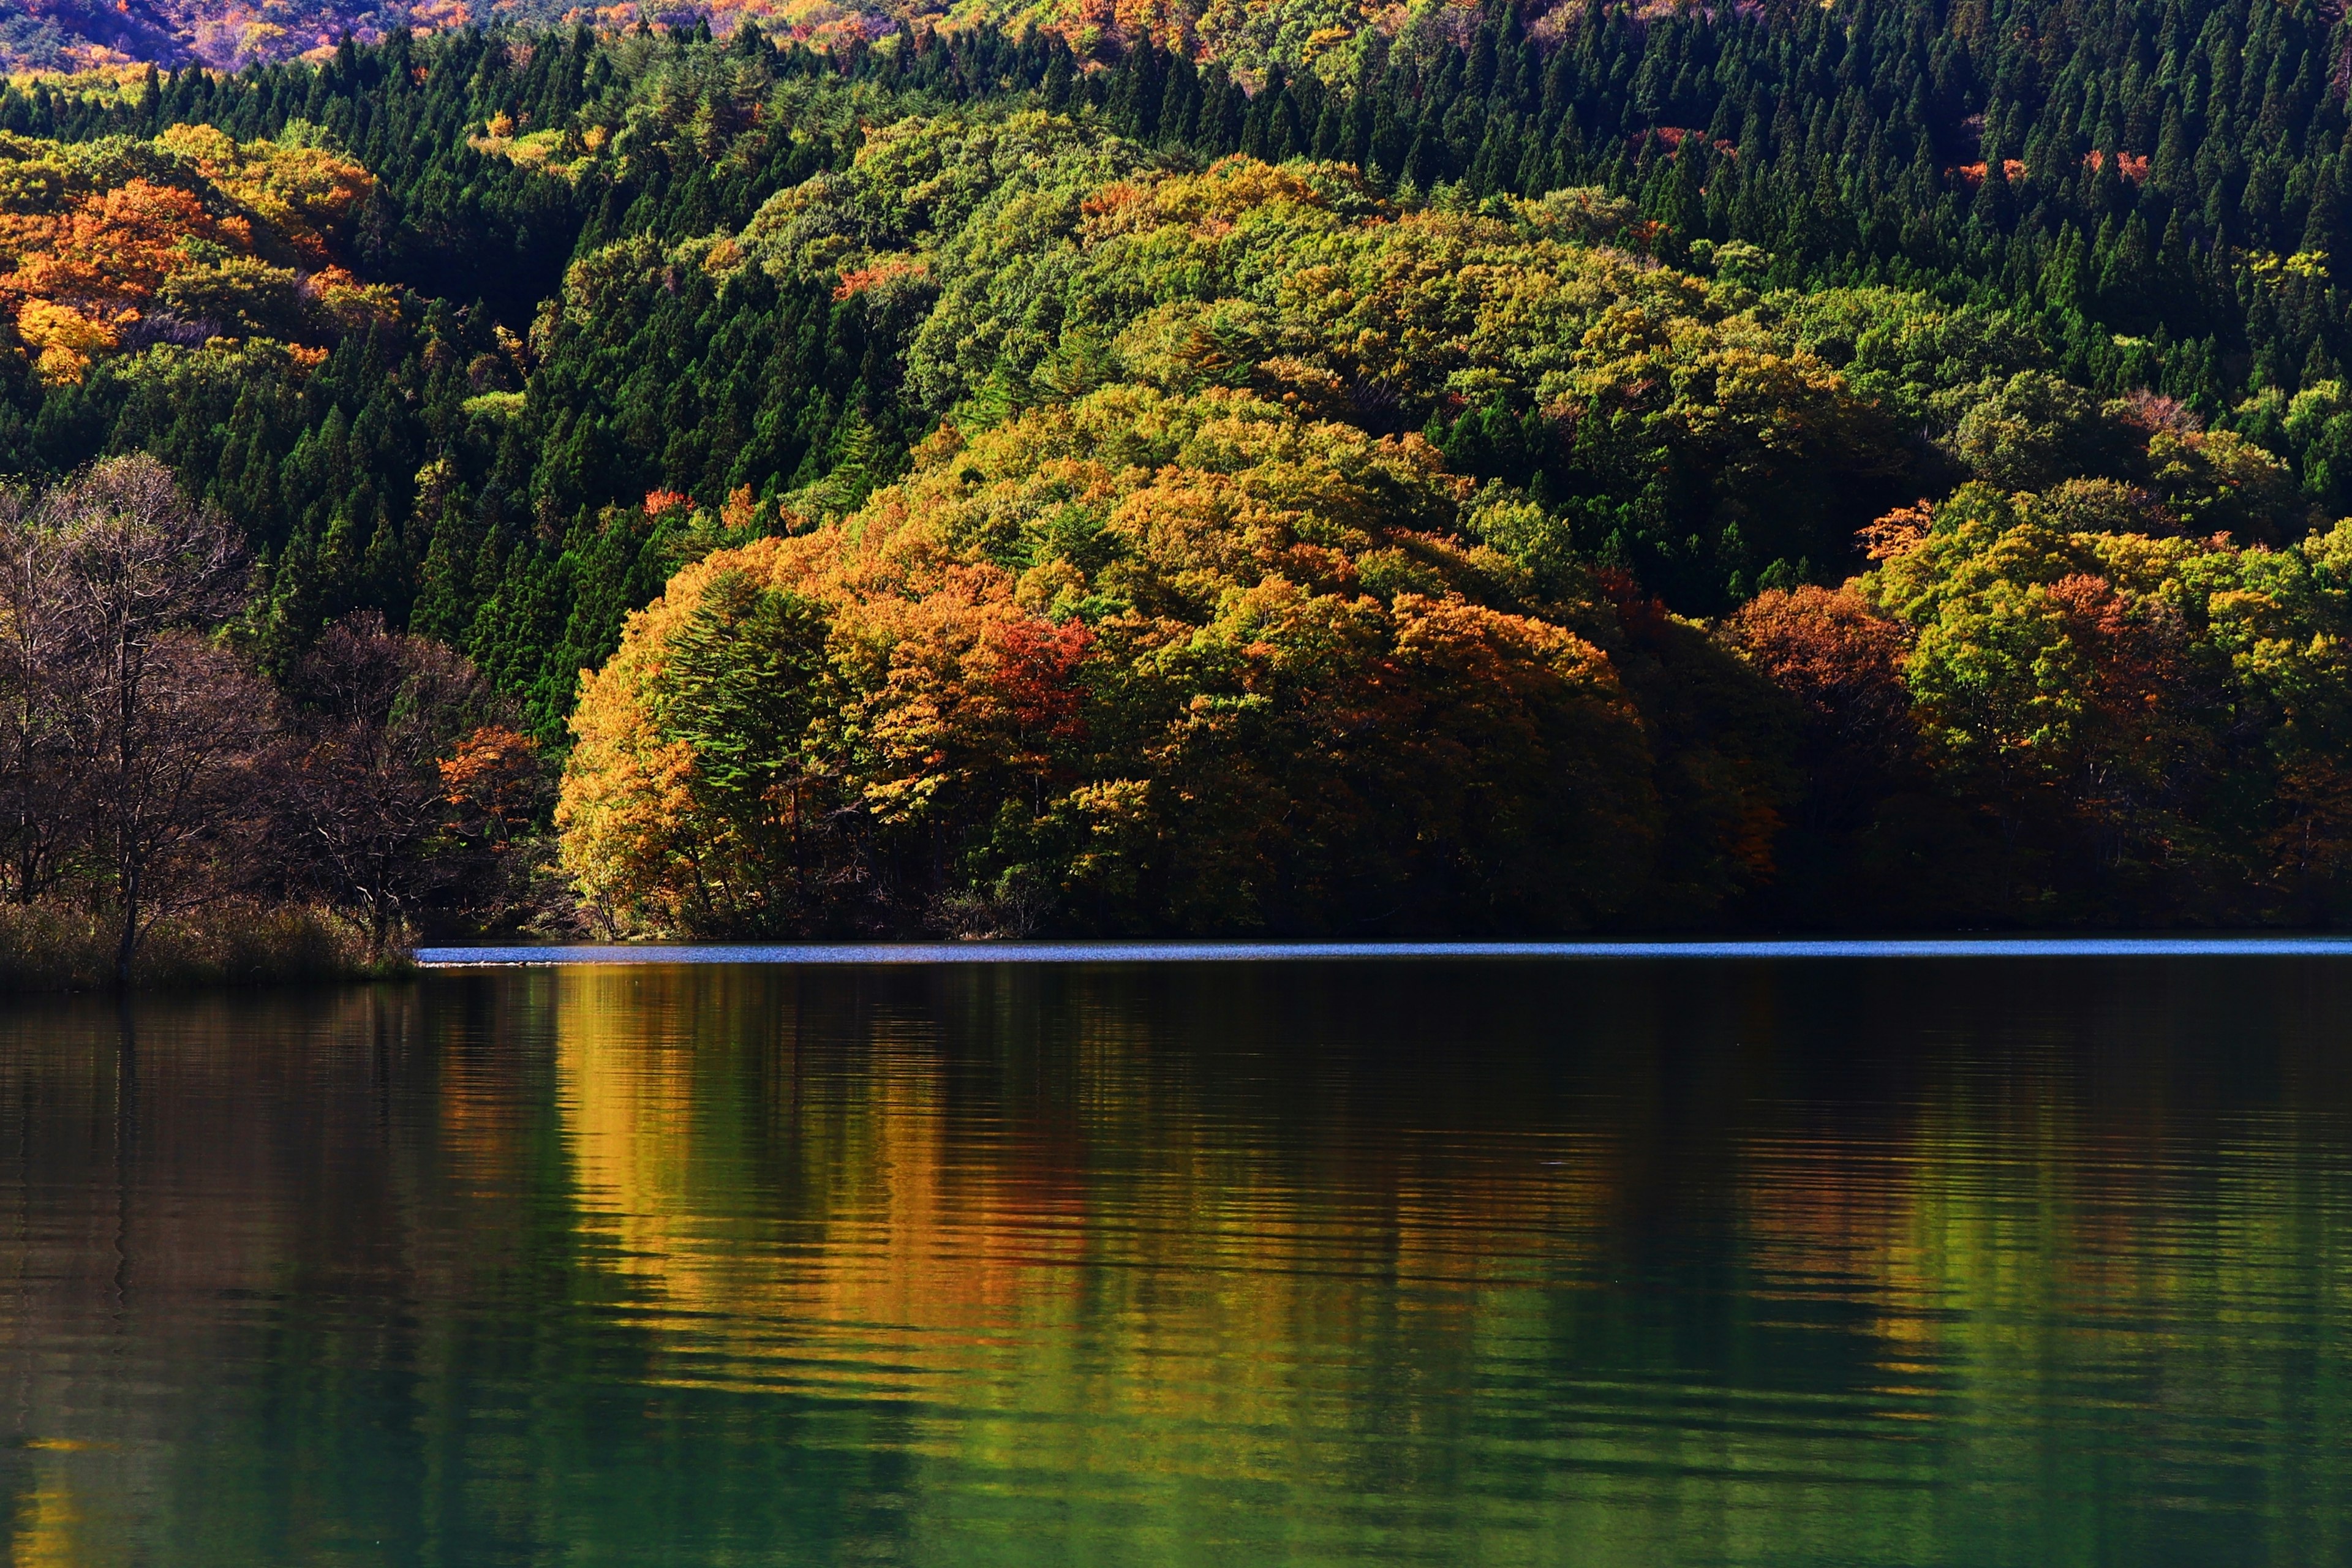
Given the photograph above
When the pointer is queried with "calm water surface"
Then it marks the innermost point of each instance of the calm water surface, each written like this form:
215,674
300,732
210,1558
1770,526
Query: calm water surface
1923,1261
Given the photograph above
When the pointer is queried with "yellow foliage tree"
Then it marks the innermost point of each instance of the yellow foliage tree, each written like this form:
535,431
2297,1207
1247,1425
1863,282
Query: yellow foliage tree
232,239
1171,662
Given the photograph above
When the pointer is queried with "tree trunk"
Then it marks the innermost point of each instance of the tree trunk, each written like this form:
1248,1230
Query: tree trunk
127,946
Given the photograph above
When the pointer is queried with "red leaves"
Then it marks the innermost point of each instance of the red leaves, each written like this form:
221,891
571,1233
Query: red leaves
1640,611
1830,650
1031,669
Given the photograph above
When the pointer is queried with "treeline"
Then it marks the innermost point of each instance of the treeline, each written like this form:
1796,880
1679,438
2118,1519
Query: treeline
1522,388
2171,225
2160,187
148,772
1188,617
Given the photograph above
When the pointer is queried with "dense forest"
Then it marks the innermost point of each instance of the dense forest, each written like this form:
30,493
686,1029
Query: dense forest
1480,469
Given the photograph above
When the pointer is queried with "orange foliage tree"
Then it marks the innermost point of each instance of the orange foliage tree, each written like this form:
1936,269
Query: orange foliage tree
192,236
1178,662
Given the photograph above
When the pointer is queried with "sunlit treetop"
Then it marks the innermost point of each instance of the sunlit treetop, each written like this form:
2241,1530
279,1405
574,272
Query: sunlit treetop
117,246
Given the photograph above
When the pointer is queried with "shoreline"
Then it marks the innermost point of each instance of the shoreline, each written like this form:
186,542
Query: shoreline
307,960
845,954
47,949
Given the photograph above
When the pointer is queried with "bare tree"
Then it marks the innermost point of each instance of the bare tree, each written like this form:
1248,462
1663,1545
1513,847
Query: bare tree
377,711
181,808
144,762
169,724
39,805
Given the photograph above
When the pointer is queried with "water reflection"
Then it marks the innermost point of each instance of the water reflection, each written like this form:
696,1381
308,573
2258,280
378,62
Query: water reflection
1739,1263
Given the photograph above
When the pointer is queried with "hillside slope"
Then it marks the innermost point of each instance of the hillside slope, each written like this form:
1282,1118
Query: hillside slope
1904,448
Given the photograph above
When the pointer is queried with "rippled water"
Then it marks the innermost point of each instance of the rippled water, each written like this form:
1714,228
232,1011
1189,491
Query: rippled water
2005,1260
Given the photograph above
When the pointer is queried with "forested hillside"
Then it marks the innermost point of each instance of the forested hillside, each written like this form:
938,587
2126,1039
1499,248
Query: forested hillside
1466,468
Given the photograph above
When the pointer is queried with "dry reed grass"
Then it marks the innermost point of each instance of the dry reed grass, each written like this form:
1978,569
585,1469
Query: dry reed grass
55,947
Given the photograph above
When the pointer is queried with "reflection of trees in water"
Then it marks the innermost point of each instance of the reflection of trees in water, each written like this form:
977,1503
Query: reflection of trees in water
167,1164
1627,1256
1299,1218
2095,1252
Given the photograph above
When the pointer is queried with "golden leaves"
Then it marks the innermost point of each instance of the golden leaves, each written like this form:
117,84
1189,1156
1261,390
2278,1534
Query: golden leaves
233,245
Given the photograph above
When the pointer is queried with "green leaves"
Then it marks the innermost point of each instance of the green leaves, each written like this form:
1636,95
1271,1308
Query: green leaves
737,686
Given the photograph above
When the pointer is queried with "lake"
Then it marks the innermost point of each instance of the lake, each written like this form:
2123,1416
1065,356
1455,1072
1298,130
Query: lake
2037,1259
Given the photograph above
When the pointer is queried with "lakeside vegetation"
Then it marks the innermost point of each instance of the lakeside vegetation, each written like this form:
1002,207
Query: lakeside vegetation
64,947
171,812
1499,471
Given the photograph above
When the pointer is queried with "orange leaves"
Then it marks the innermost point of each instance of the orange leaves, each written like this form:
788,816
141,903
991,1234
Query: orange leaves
1109,198
1029,668
1095,636
2132,648
1898,532
739,508
1973,175
1494,649
1827,648
493,776
973,691
885,271
113,244
1840,659
303,193
205,246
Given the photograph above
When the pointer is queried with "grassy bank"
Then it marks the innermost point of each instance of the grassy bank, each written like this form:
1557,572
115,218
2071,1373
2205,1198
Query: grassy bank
45,947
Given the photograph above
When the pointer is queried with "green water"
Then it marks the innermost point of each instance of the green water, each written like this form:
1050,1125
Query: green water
1996,1261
